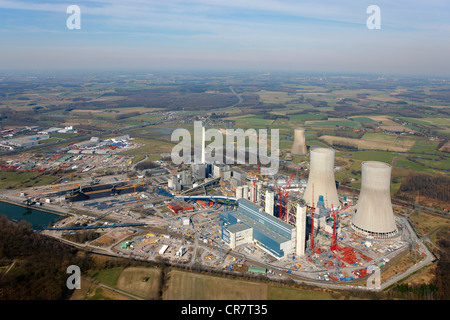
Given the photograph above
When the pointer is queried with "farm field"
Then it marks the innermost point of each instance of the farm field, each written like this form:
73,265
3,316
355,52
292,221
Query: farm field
140,281
145,282
190,286
362,144
90,291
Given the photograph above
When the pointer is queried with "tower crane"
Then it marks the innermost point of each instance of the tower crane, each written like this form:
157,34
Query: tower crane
283,195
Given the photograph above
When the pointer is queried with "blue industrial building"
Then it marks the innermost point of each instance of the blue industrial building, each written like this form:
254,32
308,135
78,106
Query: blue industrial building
270,233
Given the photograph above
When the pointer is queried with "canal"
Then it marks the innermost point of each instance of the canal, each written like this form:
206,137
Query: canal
35,217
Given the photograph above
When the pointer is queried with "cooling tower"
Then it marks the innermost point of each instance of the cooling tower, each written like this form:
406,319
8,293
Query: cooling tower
321,178
299,146
374,216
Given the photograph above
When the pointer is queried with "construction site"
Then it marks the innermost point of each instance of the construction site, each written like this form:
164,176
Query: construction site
229,217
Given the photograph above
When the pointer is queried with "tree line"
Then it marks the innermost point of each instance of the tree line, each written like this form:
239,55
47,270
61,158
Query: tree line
423,185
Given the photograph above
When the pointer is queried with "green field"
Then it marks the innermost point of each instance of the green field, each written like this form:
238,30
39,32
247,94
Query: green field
141,281
182,285
254,122
285,293
108,277
24,179
333,123
192,286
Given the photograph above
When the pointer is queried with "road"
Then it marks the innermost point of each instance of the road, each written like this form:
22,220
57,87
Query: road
10,267
238,96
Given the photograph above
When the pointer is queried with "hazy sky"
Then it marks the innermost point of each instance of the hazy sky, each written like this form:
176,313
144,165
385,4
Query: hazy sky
263,35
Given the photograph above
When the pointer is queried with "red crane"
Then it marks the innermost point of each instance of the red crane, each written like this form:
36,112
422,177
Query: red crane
283,195
286,190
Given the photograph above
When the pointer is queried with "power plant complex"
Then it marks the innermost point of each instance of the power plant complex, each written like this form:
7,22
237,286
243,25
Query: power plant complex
290,217
309,226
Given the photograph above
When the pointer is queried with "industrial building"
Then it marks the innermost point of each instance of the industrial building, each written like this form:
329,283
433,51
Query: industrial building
249,223
96,145
177,206
22,142
222,170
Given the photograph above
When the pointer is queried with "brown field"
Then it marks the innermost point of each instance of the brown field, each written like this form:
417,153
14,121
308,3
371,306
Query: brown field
425,223
111,237
141,281
403,146
90,291
384,99
401,266
384,120
445,147
397,128
190,286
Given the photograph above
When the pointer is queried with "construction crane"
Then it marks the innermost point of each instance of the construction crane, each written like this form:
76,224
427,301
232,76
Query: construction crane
283,195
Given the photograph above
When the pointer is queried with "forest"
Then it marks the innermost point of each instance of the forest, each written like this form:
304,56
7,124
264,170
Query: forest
418,185
40,263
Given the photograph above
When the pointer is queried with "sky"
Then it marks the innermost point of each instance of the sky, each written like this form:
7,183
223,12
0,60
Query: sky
235,35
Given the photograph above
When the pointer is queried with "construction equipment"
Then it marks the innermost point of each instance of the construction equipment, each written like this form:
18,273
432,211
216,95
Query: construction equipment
283,197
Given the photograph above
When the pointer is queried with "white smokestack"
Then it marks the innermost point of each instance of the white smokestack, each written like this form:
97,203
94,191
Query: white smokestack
301,230
374,215
321,177
203,145
299,145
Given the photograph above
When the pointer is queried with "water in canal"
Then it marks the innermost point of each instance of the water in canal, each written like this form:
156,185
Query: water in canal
36,217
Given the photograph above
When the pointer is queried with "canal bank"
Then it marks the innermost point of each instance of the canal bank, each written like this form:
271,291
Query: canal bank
40,208
37,217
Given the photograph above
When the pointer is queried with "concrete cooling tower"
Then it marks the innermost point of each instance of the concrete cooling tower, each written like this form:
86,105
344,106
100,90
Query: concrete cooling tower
299,146
321,178
374,216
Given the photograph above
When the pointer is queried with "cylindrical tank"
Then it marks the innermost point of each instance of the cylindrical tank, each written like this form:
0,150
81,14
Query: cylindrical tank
299,145
321,178
374,215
